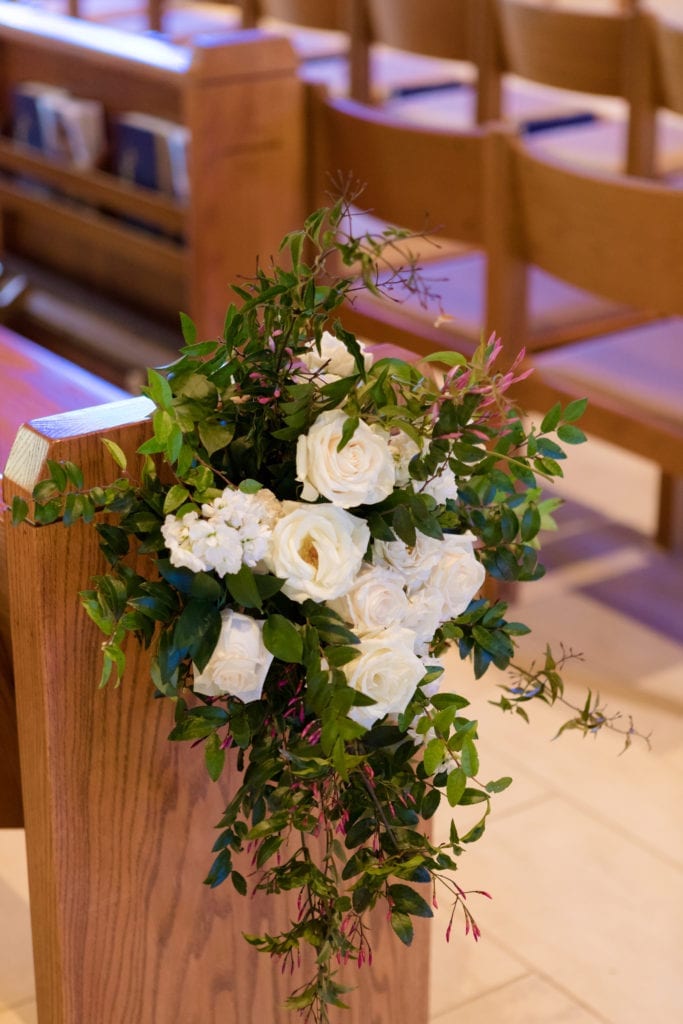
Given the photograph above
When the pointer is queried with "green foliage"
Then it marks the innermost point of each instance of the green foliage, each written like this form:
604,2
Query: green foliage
323,805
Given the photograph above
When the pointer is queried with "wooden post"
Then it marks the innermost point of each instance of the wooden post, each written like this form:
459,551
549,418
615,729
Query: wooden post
118,820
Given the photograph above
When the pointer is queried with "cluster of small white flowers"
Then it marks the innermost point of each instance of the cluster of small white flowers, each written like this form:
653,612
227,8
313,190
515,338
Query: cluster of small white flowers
234,529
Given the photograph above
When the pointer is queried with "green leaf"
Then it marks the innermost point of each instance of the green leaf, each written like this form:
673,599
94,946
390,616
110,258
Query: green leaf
498,785
243,588
116,453
551,419
159,389
19,510
58,474
434,753
74,474
448,358
407,900
283,639
220,869
570,434
214,757
531,523
175,497
575,410
469,758
239,882
197,631
455,786
188,329
215,436
348,430
403,927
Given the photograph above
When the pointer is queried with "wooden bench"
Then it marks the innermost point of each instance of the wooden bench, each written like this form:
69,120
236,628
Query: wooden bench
32,382
118,820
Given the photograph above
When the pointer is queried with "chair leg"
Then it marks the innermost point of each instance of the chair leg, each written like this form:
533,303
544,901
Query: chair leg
670,515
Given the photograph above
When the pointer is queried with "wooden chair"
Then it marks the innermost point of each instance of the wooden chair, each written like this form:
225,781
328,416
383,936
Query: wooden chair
595,54
435,181
668,71
32,381
621,238
118,820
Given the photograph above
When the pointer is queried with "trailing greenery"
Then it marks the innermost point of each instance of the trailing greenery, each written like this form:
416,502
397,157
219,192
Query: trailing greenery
328,803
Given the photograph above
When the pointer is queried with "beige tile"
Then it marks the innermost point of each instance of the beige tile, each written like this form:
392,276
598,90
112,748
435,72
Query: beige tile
16,956
27,1013
13,861
586,907
611,480
461,969
527,1000
639,793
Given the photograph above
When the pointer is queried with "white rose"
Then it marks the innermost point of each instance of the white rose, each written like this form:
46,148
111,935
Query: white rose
386,670
442,486
334,359
318,550
240,661
415,564
458,574
425,616
362,473
403,448
376,600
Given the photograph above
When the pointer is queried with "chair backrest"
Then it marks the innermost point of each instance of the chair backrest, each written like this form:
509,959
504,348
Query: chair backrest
423,179
323,14
436,28
617,236
155,11
668,43
431,28
603,54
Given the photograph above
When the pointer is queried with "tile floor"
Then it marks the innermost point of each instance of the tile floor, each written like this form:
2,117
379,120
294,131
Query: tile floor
583,854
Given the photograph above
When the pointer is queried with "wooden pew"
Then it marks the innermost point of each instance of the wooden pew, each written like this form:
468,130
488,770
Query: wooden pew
119,820
33,381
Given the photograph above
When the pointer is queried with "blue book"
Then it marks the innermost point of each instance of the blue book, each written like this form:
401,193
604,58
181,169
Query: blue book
28,112
135,155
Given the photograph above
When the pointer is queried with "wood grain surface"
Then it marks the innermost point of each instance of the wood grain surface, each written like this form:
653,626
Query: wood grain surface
118,820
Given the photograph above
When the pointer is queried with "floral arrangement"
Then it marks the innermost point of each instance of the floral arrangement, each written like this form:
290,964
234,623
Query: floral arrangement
318,528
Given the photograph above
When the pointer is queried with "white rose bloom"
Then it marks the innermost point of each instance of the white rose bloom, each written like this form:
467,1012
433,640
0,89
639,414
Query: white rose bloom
318,550
376,600
334,359
458,574
414,564
442,486
403,448
240,661
386,670
426,614
362,473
